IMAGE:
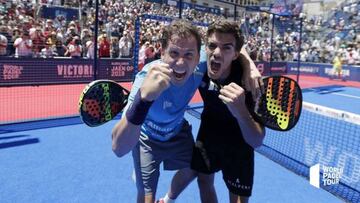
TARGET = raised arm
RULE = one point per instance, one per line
(251, 76)
(126, 132)
(234, 97)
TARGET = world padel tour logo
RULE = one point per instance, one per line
(12, 71)
(328, 176)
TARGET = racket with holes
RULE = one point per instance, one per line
(101, 101)
(279, 106)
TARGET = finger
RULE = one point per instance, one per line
(158, 71)
(164, 77)
(228, 92)
(225, 99)
(166, 83)
(165, 68)
(160, 66)
(236, 87)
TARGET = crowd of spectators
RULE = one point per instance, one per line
(25, 32)
(322, 39)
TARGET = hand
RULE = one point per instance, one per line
(156, 81)
(234, 97)
(251, 75)
(28, 43)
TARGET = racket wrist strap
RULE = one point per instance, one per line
(138, 110)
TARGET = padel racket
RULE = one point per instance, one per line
(101, 101)
(279, 105)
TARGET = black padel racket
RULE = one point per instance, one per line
(101, 101)
(279, 106)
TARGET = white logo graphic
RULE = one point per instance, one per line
(213, 86)
(237, 184)
(167, 104)
(315, 175)
(330, 175)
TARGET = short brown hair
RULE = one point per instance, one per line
(181, 28)
(227, 27)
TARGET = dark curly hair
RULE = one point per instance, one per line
(228, 27)
(181, 28)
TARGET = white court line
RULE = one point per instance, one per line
(340, 94)
(347, 95)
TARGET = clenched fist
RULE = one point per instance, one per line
(234, 97)
(156, 81)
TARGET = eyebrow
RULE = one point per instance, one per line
(226, 44)
(177, 48)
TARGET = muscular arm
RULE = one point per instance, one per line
(234, 98)
(252, 131)
(125, 136)
(251, 74)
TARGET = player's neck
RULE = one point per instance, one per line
(224, 76)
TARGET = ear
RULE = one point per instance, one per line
(237, 54)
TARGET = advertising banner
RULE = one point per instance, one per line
(14, 71)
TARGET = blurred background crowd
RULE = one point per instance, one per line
(26, 32)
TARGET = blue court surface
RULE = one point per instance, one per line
(63, 160)
(337, 97)
(74, 163)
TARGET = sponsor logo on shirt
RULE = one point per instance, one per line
(167, 104)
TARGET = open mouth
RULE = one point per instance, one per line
(179, 75)
(215, 66)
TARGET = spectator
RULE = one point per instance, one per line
(60, 49)
(119, 17)
(48, 50)
(157, 50)
(142, 54)
(104, 47)
(38, 40)
(115, 50)
(125, 45)
(352, 56)
(5, 42)
(90, 49)
(85, 36)
(3, 45)
(23, 45)
(16, 34)
(149, 54)
(75, 48)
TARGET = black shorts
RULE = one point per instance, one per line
(237, 168)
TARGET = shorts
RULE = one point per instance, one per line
(148, 154)
(237, 168)
(337, 69)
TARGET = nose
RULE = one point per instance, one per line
(180, 61)
(217, 52)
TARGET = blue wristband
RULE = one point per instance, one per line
(138, 110)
